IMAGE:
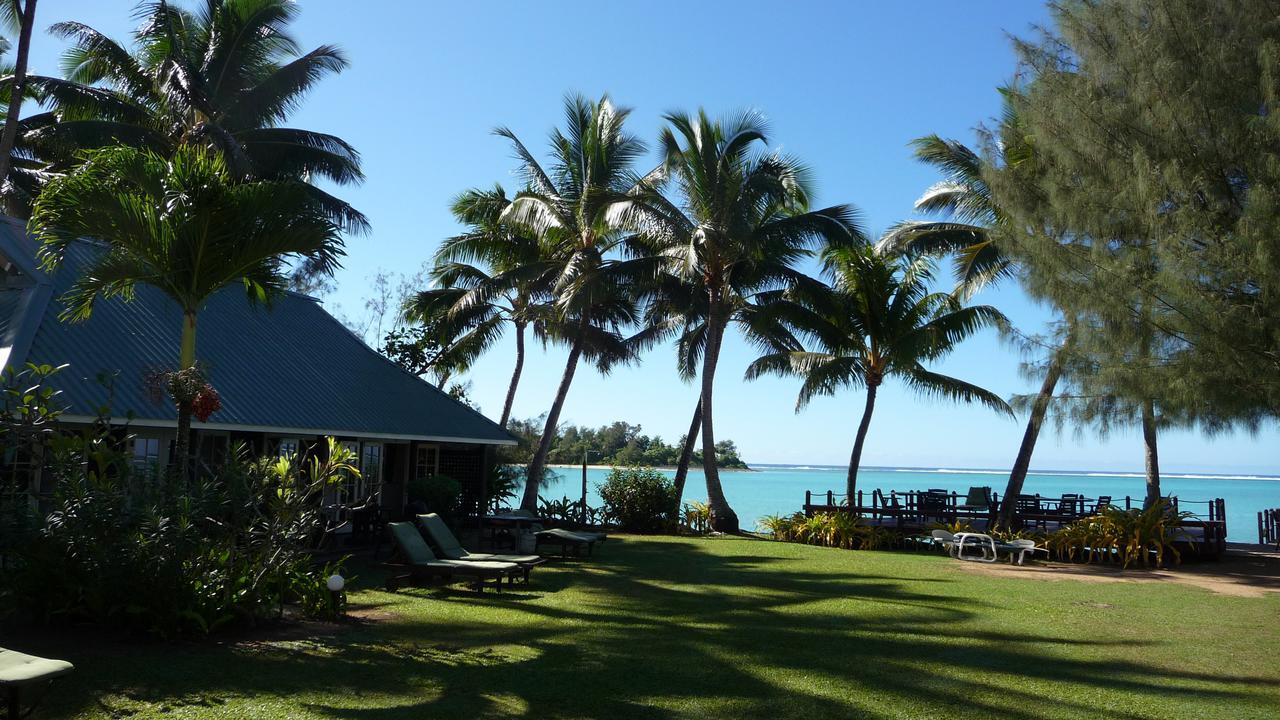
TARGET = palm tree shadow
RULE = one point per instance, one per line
(665, 629)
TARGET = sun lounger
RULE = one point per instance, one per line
(22, 674)
(422, 564)
(450, 549)
(956, 545)
(566, 539)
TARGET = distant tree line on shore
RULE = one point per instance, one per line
(618, 443)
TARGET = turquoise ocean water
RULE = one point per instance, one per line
(779, 489)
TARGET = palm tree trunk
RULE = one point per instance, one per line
(10, 134)
(186, 359)
(1022, 463)
(855, 458)
(1153, 457)
(686, 454)
(515, 376)
(538, 465)
(723, 518)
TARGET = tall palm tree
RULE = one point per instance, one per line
(21, 16)
(591, 282)
(225, 77)
(879, 320)
(734, 235)
(182, 223)
(489, 254)
(26, 164)
(971, 235)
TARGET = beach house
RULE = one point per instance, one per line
(287, 375)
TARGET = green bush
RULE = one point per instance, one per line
(440, 493)
(838, 530)
(152, 553)
(1123, 536)
(697, 517)
(639, 499)
(135, 551)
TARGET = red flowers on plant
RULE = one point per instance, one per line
(206, 403)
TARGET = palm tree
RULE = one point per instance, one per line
(591, 290)
(490, 254)
(22, 16)
(972, 237)
(734, 236)
(879, 320)
(182, 223)
(25, 165)
(224, 77)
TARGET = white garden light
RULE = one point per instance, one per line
(335, 583)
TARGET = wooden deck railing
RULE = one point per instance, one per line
(1269, 527)
(917, 510)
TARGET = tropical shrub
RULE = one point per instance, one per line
(1123, 536)
(439, 494)
(697, 517)
(639, 499)
(838, 530)
(503, 483)
(568, 511)
(135, 550)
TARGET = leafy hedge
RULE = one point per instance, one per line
(639, 499)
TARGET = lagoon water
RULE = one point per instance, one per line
(779, 489)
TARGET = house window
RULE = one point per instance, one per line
(427, 462)
(371, 469)
(351, 489)
(286, 447)
(146, 452)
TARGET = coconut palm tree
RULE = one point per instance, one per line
(879, 320)
(971, 235)
(676, 308)
(467, 266)
(25, 165)
(182, 223)
(588, 267)
(225, 77)
(21, 16)
(734, 235)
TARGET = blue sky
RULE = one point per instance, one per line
(845, 86)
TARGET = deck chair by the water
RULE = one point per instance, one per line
(447, 543)
(978, 498)
(565, 539)
(23, 678)
(422, 564)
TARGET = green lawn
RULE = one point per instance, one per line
(721, 628)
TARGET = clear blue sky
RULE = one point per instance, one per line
(845, 85)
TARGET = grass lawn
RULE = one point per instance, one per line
(698, 628)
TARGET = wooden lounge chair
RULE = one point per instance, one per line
(20, 674)
(447, 543)
(422, 564)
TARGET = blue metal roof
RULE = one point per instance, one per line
(290, 366)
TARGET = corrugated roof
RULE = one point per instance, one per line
(288, 366)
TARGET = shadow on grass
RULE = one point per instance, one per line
(653, 629)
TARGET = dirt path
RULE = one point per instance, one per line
(1238, 573)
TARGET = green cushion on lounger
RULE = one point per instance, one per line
(417, 553)
(453, 550)
(411, 543)
(19, 668)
